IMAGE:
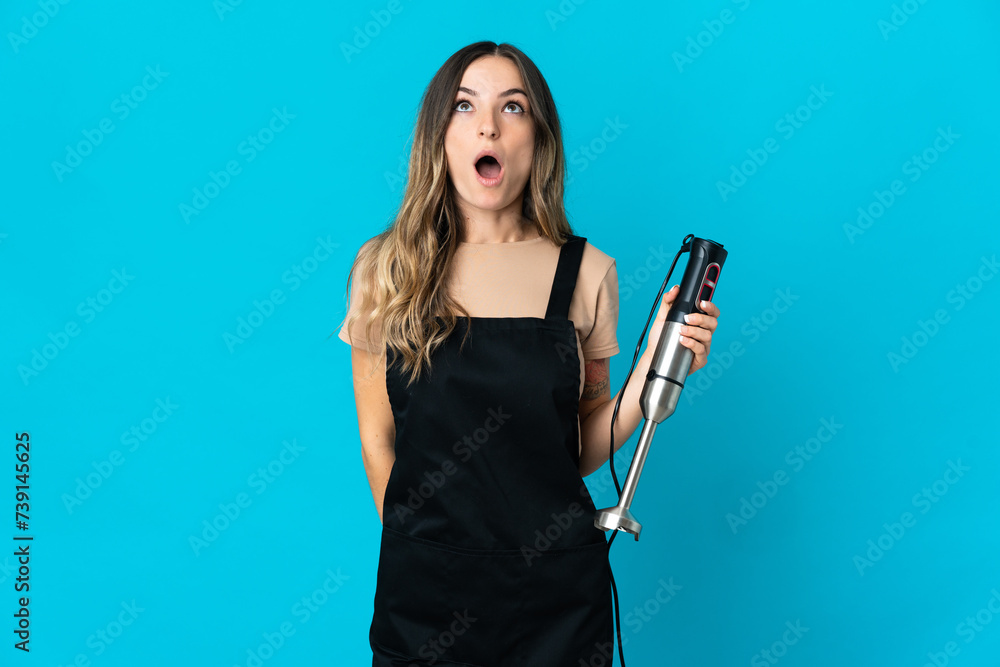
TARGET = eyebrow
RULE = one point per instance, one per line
(509, 91)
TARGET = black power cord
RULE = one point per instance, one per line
(685, 246)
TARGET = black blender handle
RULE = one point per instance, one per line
(700, 277)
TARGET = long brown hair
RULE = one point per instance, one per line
(405, 266)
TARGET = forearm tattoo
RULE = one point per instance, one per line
(596, 382)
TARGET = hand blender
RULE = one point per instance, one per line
(667, 372)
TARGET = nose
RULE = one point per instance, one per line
(488, 127)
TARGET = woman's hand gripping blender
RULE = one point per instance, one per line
(683, 332)
(696, 333)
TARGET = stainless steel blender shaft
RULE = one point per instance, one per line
(660, 393)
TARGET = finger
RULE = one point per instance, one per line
(699, 334)
(667, 301)
(710, 308)
(706, 321)
(695, 346)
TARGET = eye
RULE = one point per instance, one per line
(517, 105)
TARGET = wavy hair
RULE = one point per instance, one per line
(404, 268)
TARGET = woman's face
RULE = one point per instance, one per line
(490, 113)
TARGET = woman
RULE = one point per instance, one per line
(477, 430)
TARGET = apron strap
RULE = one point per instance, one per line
(565, 280)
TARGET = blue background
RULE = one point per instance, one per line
(332, 177)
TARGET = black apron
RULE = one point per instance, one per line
(489, 554)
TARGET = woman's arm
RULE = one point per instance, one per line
(597, 405)
(375, 422)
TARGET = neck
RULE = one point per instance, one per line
(503, 226)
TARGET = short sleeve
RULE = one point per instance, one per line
(355, 335)
(603, 338)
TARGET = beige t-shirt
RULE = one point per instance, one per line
(514, 279)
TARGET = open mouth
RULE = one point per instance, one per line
(488, 167)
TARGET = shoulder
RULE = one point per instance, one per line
(597, 283)
(364, 258)
(595, 255)
(596, 303)
(369, 248)
(596, 265)
(361, 274)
